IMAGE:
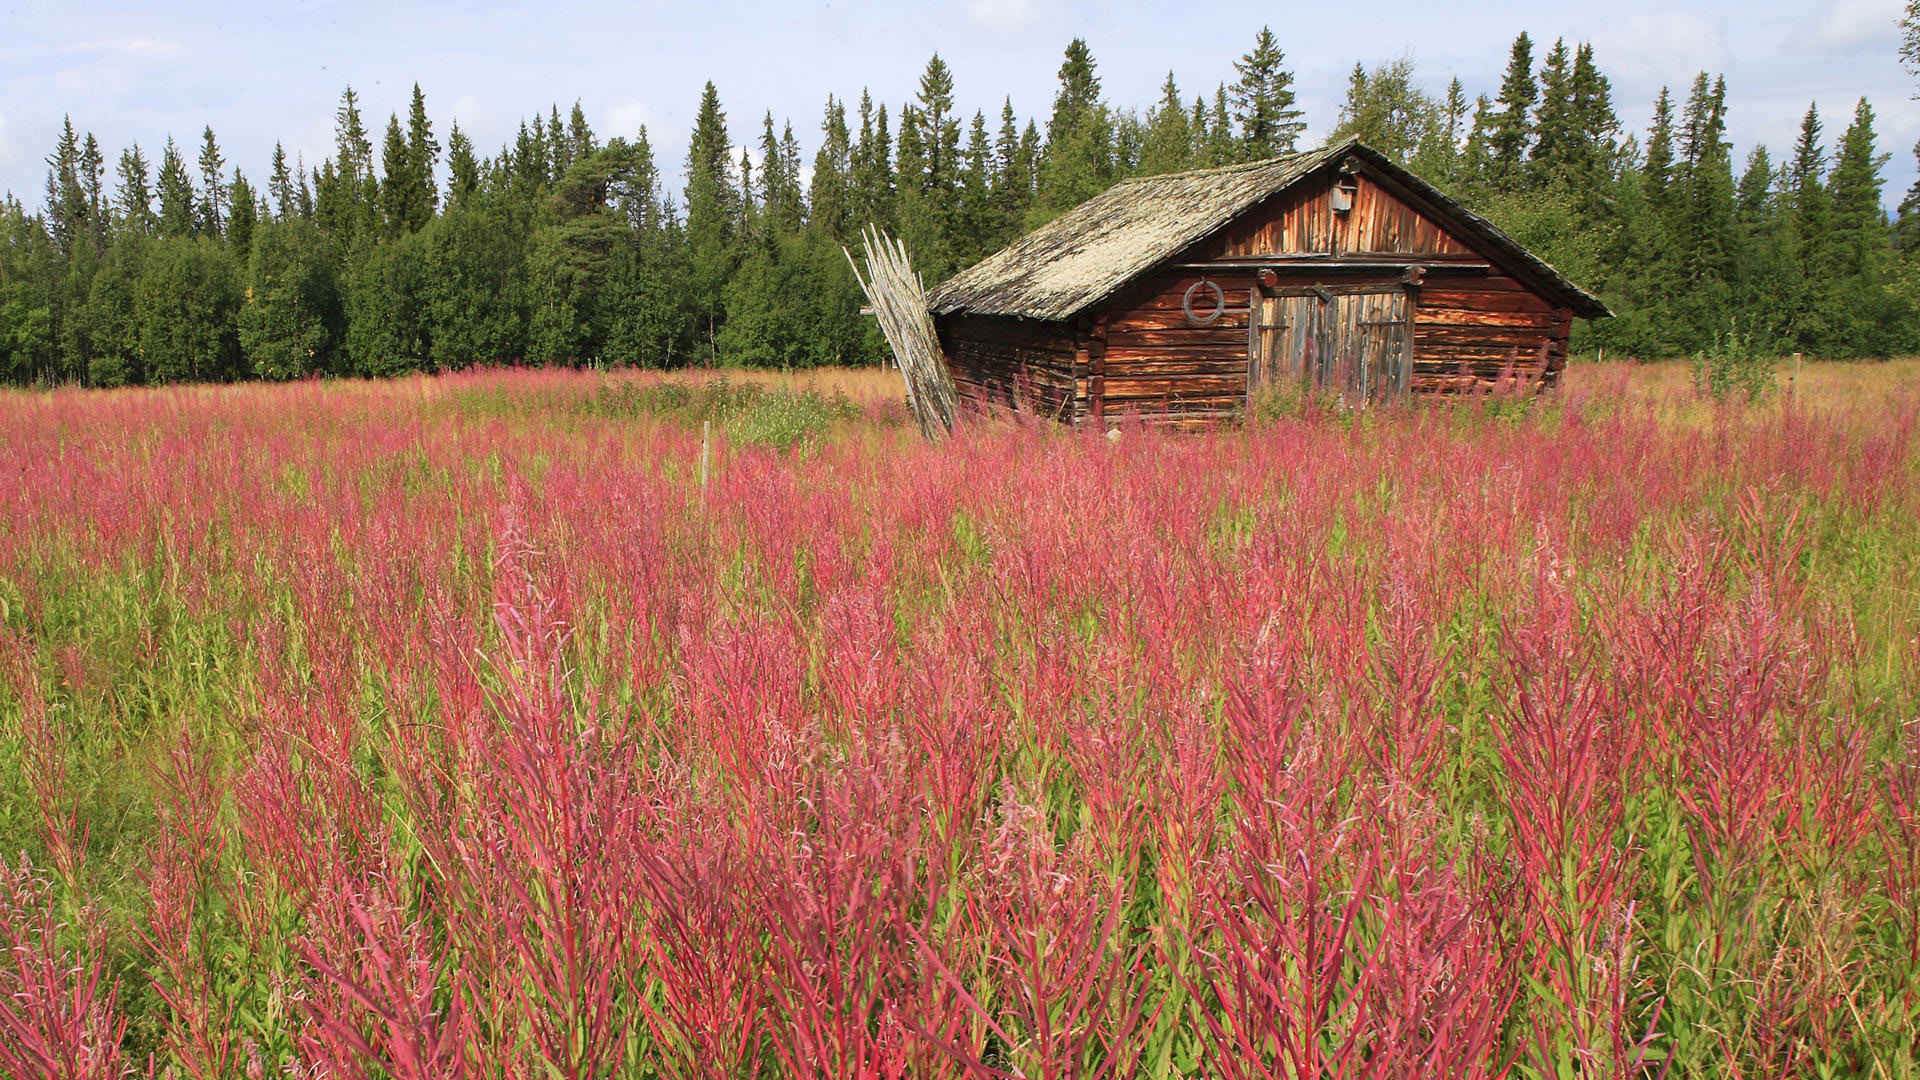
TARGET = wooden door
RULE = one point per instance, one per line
(1286, 330)
(1358, 345)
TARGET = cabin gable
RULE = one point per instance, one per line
(1302, 221)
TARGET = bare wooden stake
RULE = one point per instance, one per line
(706, 454)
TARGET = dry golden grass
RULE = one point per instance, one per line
(1668, 386)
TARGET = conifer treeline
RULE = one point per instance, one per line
(563, 248)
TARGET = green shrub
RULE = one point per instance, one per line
(1732, 366)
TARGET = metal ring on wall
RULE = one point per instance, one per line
(1219, 304)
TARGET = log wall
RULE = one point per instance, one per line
(1016, 364)
(1469, 332)
(1161, 368)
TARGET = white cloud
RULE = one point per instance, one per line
(1850, 24)
(6, 147)
(467, 111)
(626, 118)
(1663, 47)
(1002, 14)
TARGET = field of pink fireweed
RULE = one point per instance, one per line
(450, 727)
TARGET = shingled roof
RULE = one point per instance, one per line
(1099, 247)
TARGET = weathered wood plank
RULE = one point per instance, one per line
(1180, 336)
(1464, 316)
(1174, 319)
(1178, 365)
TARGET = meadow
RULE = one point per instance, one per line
(471, 726)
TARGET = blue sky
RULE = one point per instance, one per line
(138, 72)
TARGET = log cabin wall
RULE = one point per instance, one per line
(1159, 367)
(1470, 332)
(1016, 364)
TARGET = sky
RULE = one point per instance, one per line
(135, 73)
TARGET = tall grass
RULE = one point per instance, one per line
(448, 727)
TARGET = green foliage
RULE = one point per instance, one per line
(784, 420)
(389, 328)
(292, 322)
(1511, 128)
(188, 300)
(1078, 162)
(1733, 368)
(475, 292)
(113, 322)
(1263, 101)
(794, 303)
(1385, 110)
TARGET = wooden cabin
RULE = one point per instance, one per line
(1173, 298)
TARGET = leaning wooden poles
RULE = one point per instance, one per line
(899, 301)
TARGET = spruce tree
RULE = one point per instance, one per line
(134, 195)
(1168, 146)
(346, 191)
(243, 213)
(559, 146)
(1029, 163)
(747, 226)
(1806, 197)
(829, 194)
(463, 169)
(1439, 156)
(93, 169)
(1012, 177)
(1753, 197)
(303, 194)
(920, 225)
(280, 184)
(1555, 154)
(940, 129)
(423, 159)
(1597, 123)
(1859, 228)
(396, 181)
(1263, 101)
(975, 226)
(580, 138)
(714, 209)
(1077, 161)
(213, 188)
(1658, 167)
(1706, 224)
(1222, 148)
(176, 193)
(779, 182)
(529, 167)
(66, 212)
(938, 136)
(872, 194)
(1197, 126)
(1511, 129)
(353, 151)
(1907, 226)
